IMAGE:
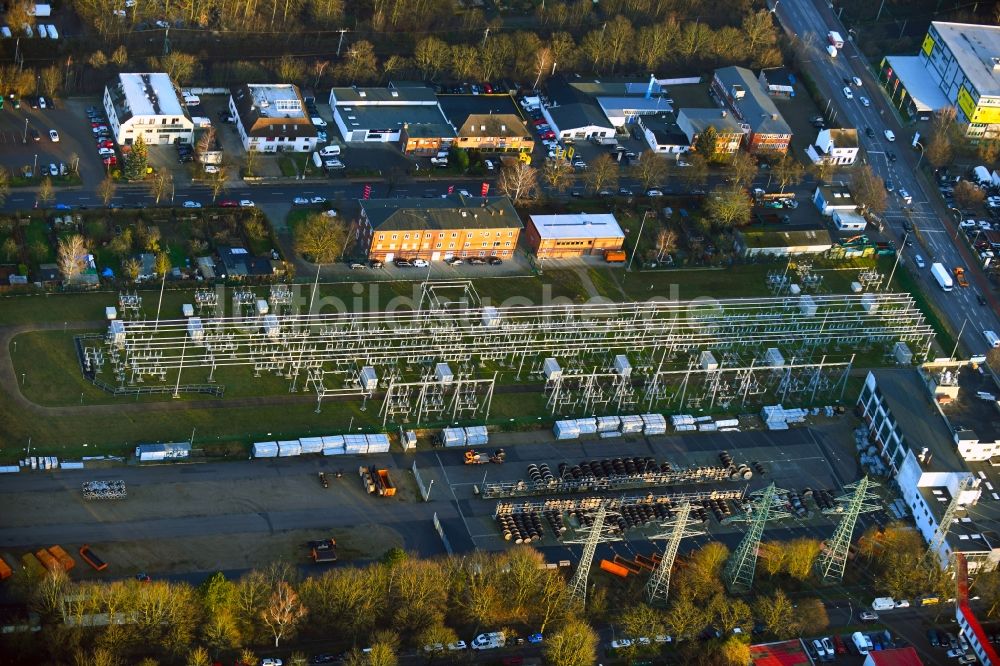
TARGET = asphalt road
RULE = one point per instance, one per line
(814, 18)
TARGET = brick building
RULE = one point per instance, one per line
(766, 129)
(436, 229)
(573, 235)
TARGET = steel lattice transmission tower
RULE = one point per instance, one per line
(596, 534)
(944, 526)
(659, 582)
(832, 559)
(740, 568)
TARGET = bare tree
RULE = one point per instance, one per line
(251, 161)
(106, 189)
(283, 611)
(968, 195)
(602, 173)
(519, 182)
(788, 171)
(558, 174)
(869, 189)
(666, 241)
(575, 644)
(219, 182)
(72, 256)
(742, 168)
(4, 184)
(651, 170)
(728, 206)
(158, 185)
(543, 65)
(320, 239)
(131, 269)
(45, 193)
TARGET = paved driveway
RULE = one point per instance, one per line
(75, 139)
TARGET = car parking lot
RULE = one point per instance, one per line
(20, 149)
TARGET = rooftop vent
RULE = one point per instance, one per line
(737, 91)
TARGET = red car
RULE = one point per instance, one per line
(548, 134)
(229, 203)
(541, 121)
(105, 143)
(838, 644)
(488, 89)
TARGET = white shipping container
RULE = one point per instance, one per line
(654, 424)
(681, 419)
(773, 357)
(566, 430)
(708, 362)
(355, 444)
(453, 436)
(707, 427)
(13, 469)
(378, 443)
(685, 427)
(187, 310)
(608, 434)
(551, 369)
(116, 334)
(288, 448)
(333, 442)
(271, 326)
(477, 436)
(728, 423)
(443, 373)
(262, 308)
(338, 451)
(702, 419)
(67, 465)
(110, 313)
(622, 366)
(491, 317)
(869, 302)
(632, 423)
(311, 444)
(368, 378)
(807, 305)
(195, 330)
(777, 425)
(608, 423)
(586, 426)
(265, 450)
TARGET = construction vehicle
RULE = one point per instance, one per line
(5, 570)
(90, 558)
(323, 550)
(960, 276)
(473, 457)
(367, 482)
(615, 256)
(63, 557)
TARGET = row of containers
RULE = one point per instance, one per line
(331, 445)
(472, 436)
(777, 417)
(611, 426)
(688, 423)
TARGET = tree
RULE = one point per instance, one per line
(290, 69)
(741, 168)
(251, 162)
(666, 242)
(822, 170)
(651, 170)
(106, 190)
(728, 206)
(519, 182)
(641, 620)
(869, 190)
(543, 65)
(136, 160)
(283, 611)
(602, 173)
(379, 654)
(120, 56)
(574, 644)
(51, 80)
(360, 65)
(968, 195)
(218, 182)
(788, 171)
(431, 56)
(811, 617)
(734, 652)
(730, 614)
(180, 67)
(9, 250)
(776, 613)
(320, 239)
(45, 192)
(72, 256)
(162, 263)
(254, 226)
(987, 586)
(800, 554)
(205, 143)
(706, 143)
(131, 268)
(199, 657)
(158, 185)
(988, 150)
(4, 184)
(695, 175)
(939, 150)
(686, 618)
(557, 174)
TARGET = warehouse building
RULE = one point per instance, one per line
(958, 65)
(439, 229)
(409, 117)
(573, 235)
(272, 118)
(147, 105)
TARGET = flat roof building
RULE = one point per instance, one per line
(437, 229)
(962, 62)
(147, 105)
(272, 118)
(785, 243)
(829, 198)
(573, 235)
(408, 116)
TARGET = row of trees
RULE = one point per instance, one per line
(405, 603)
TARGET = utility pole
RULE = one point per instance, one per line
(658, 586)
(637, 239)
(832, 559)
(341, 42)
(166, 41)
(486, 35)
(899, 254)
(742, 564)
(954, 349)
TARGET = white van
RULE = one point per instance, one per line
(832, 50)
(883, 604)
(332, 150)
(5, 31)
(53, 33)
(317, 160)
(42, 32)
(992, 338)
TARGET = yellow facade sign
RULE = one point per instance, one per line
(966, 103)
(988, 115)
(928, 45)
(525, 157)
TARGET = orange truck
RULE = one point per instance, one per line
(63, 557)
(614, 256)
(49, 562)
(5, 570)
(960, 277)
(386, 488)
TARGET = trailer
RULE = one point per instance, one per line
(614, 569)
(63, 557)
(367, 482)
(324, 550)
(473, 457)
(942, 276)
(5, 570)
(383, 483)
(91, 558)
(49, 562)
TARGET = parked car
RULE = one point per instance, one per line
(53, 169)
(228, 203)
(919, 261)
(869, 132)
(192, 204)
(454, 261)
(300, 201)
(403, 263)
(247, 203)
(375, 263)
(317, 200)
(54, 136)
(420, 263)
(494, 261)
(868, 616)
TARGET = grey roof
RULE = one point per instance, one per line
(423, 121)
(793, 238)
(580, 114)
(778, 76)
(976, 49)
(453, 212)
(920, 86)
(386, 96)
(620, 88)
(917, 418)
(756, 108)
(836, 195)
(700, 119)
(665, 130)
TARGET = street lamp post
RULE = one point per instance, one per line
(24, 138)
(899, 254)
(921, 146)
(958, 221)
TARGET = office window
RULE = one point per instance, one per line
(395, 236)
(381, 236)
(406, 236)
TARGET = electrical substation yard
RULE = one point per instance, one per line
(234, 515)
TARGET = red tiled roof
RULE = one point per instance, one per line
(785, 653)
(899, 657)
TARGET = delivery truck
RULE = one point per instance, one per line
(835, 39)
(942, 276)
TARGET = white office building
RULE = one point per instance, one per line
(272, 118)
(147, 105)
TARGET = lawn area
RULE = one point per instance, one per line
(293, 165)
(36, 232)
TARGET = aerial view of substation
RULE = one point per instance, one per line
(671, 421)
